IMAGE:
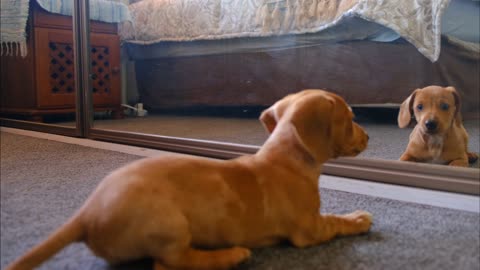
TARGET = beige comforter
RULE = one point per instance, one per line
(418, 21)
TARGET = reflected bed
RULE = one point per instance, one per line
(355, 52)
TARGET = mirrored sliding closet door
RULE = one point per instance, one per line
(204, 71)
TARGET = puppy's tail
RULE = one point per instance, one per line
(71, 231)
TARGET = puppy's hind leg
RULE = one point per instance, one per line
(169, 244)
(190, 258)
(322, 228)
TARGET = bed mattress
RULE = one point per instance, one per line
(351, 28)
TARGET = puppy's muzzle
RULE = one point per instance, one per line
(362, 139)
(431, 126)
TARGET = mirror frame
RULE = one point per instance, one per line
(41, 127)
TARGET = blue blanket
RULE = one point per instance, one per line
(100, 10)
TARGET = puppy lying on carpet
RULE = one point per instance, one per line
(439, 136)
(170, 207)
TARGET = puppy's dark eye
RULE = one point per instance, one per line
(444, 106)
(419, 107)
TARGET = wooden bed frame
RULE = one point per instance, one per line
(43, 82)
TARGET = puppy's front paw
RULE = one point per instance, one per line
(472, 157)
(362, 220)
(240, 254)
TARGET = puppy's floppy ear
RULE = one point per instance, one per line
(406, 111)
(313, 119)
(272, 115)
(268, 119)
(456, 96)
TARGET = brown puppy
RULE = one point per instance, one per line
(170, 207)
(439, 136)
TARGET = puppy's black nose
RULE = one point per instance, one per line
(431, 125)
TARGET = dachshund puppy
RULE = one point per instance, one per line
(190, 212)
(439, 136)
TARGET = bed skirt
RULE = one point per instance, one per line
(363, 72)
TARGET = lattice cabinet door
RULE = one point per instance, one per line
(55, 74)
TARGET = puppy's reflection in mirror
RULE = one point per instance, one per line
(439, 136)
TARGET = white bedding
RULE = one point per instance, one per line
(418, 21)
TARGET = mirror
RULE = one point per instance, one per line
(186, 71)
(37, 67)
